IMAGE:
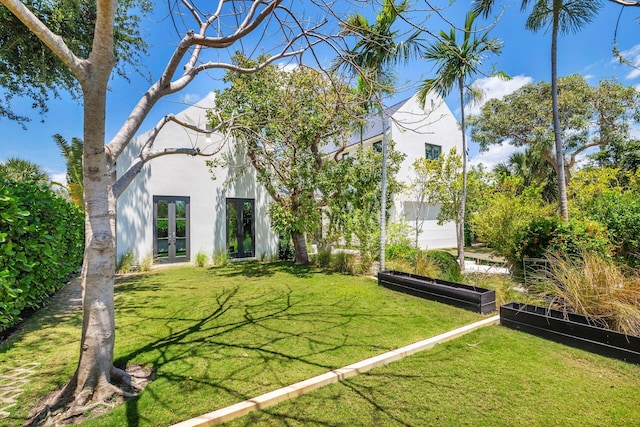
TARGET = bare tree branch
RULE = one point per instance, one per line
(626, 3)
(164, 86)
(147, 154)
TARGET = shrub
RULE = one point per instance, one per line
(146, 263)
(620, 213)
(396, 251)
(499, 222)
(126, 263)
(446, 263)
(220, 258)
(502, 284)
(424, 265)
(553, 235)
(201, 259)
(344, 262)
(285, 248)
(323, 257)
(41, 245)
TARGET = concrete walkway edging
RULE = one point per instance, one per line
(271, 398)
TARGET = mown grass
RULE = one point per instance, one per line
(220, 335)
(491, 377)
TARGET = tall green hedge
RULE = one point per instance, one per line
(41, 245)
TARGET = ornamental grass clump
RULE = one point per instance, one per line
(595, 287)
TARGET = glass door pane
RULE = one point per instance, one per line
(232, 229)
(180, 237)
(247, 228)
(162, 229)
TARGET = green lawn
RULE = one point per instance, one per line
(222, 335)
(491, 377)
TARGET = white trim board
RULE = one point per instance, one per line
(268, 399)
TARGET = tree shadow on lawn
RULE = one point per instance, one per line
(378, 393)
(260, 269)
(240, 358)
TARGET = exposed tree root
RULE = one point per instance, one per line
(62, 407)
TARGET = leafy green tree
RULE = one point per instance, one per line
(533, 169)
(214, 28)
(21, 170)
(612, 198)
(72, 153)
(456, 65)
(285, 120)
(371, 59)
(40, 74)
(559, 16)
(506, 211)
(442, 181)
(591, 116)
(352, 202)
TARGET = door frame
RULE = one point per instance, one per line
(171, 226)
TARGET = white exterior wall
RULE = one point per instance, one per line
(410, 128)
(188, 176)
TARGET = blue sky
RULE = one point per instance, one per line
(525, 58)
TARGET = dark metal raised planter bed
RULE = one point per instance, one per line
(570, 329)
(472, 298)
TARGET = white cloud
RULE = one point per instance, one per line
(190, 98)
(495, 154)
(633, 55)
(60, 177)
(494, 87)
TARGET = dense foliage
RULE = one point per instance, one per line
(553, 235)
(41, 245)
(39, 74)
(612, 197)
(590, 116)
(353, 210)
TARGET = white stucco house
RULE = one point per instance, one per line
(418, 133)
(174, 208)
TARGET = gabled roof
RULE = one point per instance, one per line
(373, 127)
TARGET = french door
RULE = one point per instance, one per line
(241, 228)
(171, 229)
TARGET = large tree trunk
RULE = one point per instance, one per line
(93, 375)
(300, 247)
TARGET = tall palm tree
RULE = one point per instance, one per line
(561, 16)
(533, 169)
(371, 59)
(72, 153)
(456, 64)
